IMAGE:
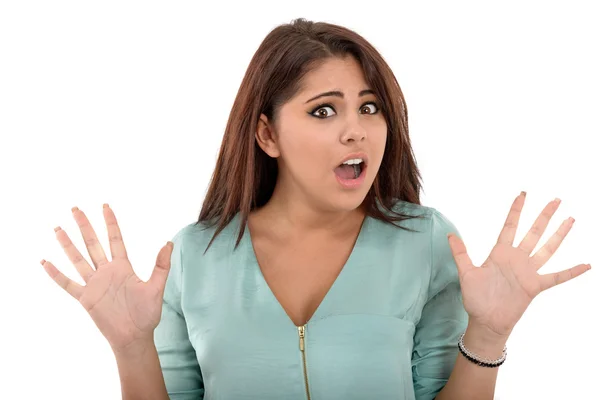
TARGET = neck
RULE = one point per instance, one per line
(292, 215)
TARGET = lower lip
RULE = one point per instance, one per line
(352, 183)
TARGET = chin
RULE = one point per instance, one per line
(349, 201)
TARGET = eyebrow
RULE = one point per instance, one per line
(339, 94)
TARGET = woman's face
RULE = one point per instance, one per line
(313, 136)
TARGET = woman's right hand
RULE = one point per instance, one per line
(124, 308)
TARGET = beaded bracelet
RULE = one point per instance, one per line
(481, 361)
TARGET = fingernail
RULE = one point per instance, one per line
(57, 229)
(43, 261)
(105, 205)
(557, 200)
(523, 193)
(74, 209)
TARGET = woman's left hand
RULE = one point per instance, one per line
(497, 294)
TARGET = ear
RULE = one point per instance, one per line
(266, 137)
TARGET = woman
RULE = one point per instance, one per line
(313, 271)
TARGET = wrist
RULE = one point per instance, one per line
(483, 341)
(135, 350)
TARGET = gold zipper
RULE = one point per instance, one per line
(301, 333)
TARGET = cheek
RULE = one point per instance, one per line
(377, 144)
(307, 156)
(380, 137)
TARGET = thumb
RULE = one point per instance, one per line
(161, 269)
(459, 252)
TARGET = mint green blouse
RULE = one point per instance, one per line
(387, 329)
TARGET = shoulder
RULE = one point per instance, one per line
(432, 224)
(442, 269)
(430, 218)
(193, 238)
(421, 239)
(425, 222)
(193, 232)
(188, 237)
(420, 235)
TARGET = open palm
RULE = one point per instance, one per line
(497, 294)
(123, 307)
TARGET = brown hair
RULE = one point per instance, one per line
(245, 176)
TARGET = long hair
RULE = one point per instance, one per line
(245, 176)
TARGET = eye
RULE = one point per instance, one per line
(375, 107)
(321, 114)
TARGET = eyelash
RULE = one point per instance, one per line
(376, 104)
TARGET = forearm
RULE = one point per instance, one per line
(469, 380)
(140, 373)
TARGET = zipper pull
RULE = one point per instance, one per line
(301, 334)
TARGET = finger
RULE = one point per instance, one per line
(83, 267)
(89, 237)
(542, 256)
(459, 252)
(71, 287)
(550, 280)
(158, 278)
(115, 239)
(507, 235)
(532, 237)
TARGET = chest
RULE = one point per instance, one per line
(301, 274)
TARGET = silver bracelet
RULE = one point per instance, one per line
(483, 361)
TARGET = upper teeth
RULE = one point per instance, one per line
(353, 161)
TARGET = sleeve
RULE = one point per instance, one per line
(176, 354)
(443, 318)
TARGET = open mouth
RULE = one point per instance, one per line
(350, 170)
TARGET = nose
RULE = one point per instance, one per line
(353, 133)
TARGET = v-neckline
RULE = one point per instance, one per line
(247, 238)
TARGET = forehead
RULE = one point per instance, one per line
(335, 73)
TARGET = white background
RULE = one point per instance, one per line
(126, 102)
